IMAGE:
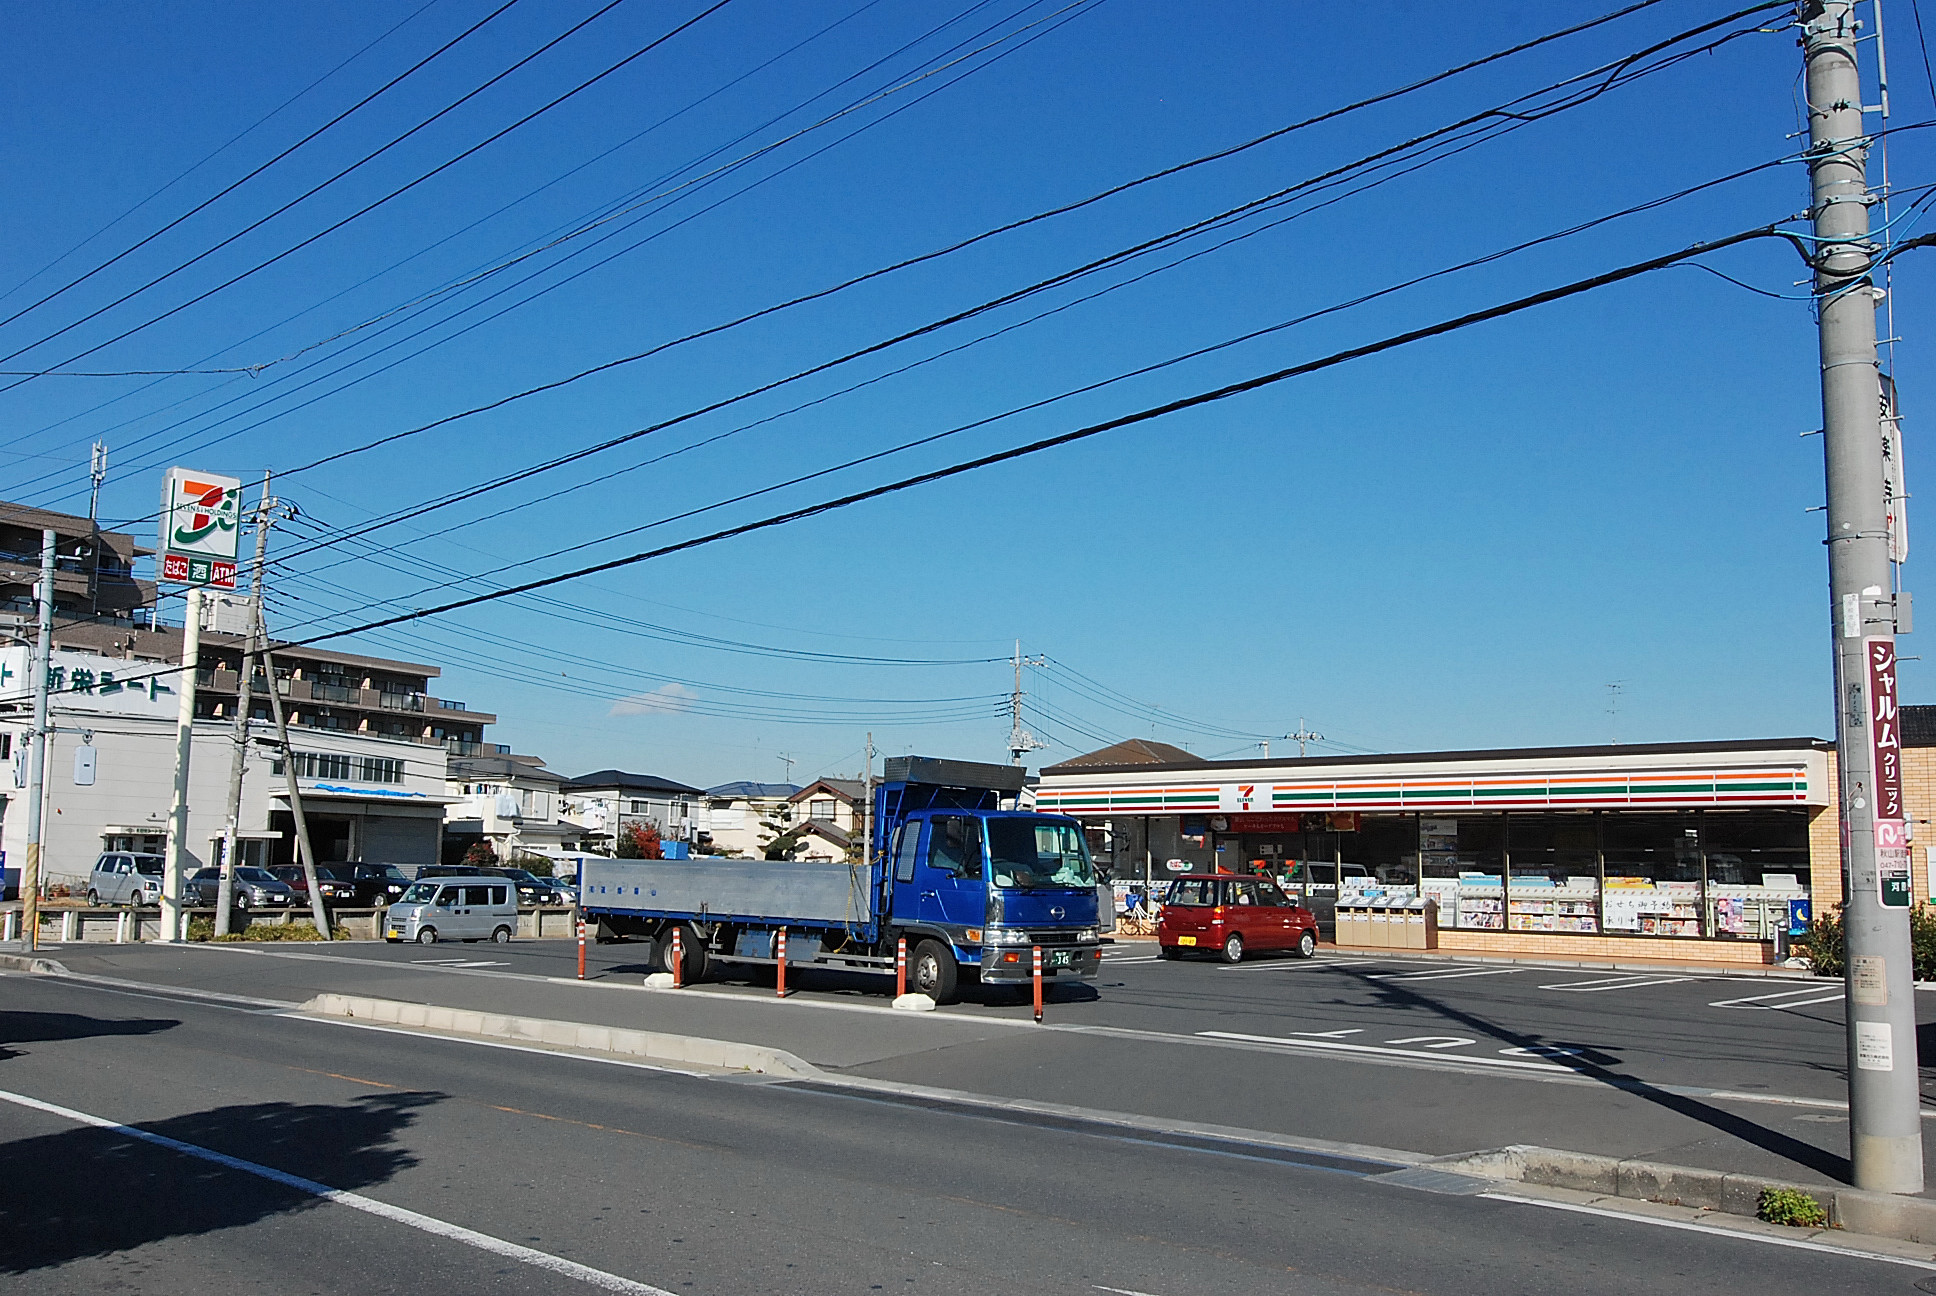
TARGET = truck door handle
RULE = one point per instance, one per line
(930, 895)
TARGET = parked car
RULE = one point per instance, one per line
(255, 888)
(354, 885)
(1232, 915)
(121, 877)
(469, 906)
(532, 889)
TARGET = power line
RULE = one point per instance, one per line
(220, 149)
(368, 207)
(560, 283)
(232, 187)
(931, 438)
(1615, 73)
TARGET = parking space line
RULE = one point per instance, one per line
(1759, 1003)
(1615, 983)
(1442, 976)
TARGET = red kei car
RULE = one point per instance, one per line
(1230, 914)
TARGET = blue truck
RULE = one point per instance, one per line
(971, 883)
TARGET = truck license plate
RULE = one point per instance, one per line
(1061, 958)
(1186, 940)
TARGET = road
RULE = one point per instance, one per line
(474, 1169)
(1734, 1073)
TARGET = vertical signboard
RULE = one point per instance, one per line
(201, 515)
(1885, 737)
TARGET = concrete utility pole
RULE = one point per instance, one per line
(176, 862)
(244, 703)
(316, 910)
(1020, 741)
(1885, 1125)
(37, 749)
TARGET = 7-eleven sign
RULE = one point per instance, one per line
(201, 525)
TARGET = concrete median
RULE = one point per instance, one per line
(649, 1046)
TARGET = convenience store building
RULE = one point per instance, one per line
(1713, 850)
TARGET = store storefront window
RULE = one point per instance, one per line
(1653, 874)
(1555, 872)
(1462, 867)
(1757, 872)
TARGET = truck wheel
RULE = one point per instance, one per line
(1233, 948)
(692, 948)
(1307, 944)
(427, 936)
(934, 971)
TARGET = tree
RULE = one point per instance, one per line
(785, 841)
(640, 841)
(481, 854)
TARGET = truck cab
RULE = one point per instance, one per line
(973, 885)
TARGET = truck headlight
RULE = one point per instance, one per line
(1088, 934)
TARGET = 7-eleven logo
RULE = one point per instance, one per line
(1244, 793)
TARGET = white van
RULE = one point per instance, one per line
(454, 908)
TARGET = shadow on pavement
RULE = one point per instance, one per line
(84, 1192)
(1594, 1064)
(39, 1027)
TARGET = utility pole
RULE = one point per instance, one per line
(1885, 1134)
(244, 704)
(176, 864)
(1020, 741)
(37, 751)
(1303, 735)
(97, 472)
(867, 804)
(316, 909)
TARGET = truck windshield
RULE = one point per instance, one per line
(1038, 853)
(420, 893)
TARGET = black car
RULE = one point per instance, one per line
(356, 885)
(532, 889)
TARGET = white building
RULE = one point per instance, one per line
(110, 777)
(512, 802)
(738, 815)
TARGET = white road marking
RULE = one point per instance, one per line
(1375, 1050)
(1441, 976)
(1121, 1291)
(1301, 965)
(1355, 1030)
(1614, 983)
(478, 963)
(1435, 1041)
(1759, 1003)
(1689, 1226)
(355, 1201)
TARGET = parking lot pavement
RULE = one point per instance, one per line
(1702, 1071)
(198, 1147)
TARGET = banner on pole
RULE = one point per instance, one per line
(1885, 738)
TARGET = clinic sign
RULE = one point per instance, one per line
(1885, 738)
(201, 525)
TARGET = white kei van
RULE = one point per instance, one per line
(454, 908)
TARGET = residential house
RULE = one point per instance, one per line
(828, 811)
(514, 803)
(608, 802)
(738, 812)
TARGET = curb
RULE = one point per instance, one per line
(1372, 954)
(1909, 1219)
(649, 1045)
(26, 963)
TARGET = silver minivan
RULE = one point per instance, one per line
(454, 908)
(125, 877)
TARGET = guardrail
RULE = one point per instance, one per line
(123, 926)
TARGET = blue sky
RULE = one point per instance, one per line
(1458, 544)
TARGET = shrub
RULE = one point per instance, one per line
(481, 853)
(203, 929)
(1790, 1206)
(1823, 944)
(535, 865)
(1825, 941)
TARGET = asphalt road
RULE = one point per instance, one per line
(1741, 1073)
(159, 1144)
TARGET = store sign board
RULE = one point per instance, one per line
(1885, 746)
(201, 523)
(85, 682)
